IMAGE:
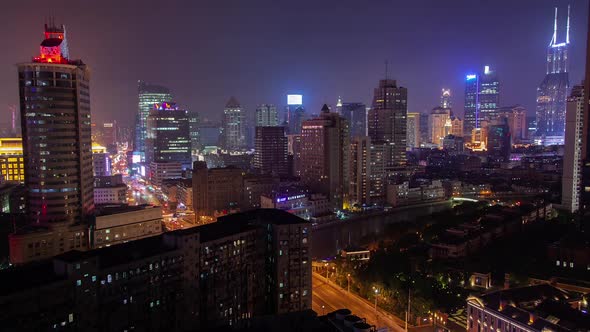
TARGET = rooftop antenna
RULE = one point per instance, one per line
(386, 69)
(567, 35)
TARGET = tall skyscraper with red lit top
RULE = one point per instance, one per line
(55, 116)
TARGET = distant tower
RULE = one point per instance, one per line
(387, 122)
(445, 98)
(56, 137)
(482, 99)
(148, 95)
(234, 137)
(552, 92)
(574, 154)
(267, 116)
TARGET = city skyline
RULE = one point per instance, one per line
(215, 73)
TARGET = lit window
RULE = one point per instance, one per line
(557, 263)
(78, 282)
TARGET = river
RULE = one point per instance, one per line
(328, 239)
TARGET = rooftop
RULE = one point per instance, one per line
(106, 210)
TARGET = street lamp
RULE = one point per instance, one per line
(326, 265)
(376, 293)
(348, 279)
(323, 310)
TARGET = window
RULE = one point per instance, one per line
(78, 282)
(557, 263)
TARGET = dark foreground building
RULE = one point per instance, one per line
(220, 275)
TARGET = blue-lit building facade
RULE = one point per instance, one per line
(552, 92)
(482, 99)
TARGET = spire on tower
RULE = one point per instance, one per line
(554, 39)
(567, 34)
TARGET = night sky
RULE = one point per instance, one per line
(259, 50)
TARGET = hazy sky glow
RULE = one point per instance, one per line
(260, 50)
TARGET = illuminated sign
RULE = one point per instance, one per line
(283, 199)
(166, 106)
(136, 159)
(294, 99)
(486, 70)
(471, 77)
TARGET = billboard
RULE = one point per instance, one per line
(294, 99)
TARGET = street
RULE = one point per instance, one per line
(330, 297)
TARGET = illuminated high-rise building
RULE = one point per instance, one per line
(445, 98)
(482, 98)
(168, 135)
(148, 95)
(552, 92)
(360, 168)
(356, 115)
(11, 159)
(194, 124)
(234, 135)
(413, 130)
(55, 118)
(267, 116)
(387, 121)
(574, 153)
(295, 113)
(325, 150)
(439, 123)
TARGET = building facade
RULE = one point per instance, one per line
(234, 135)
(574, 153)
(387, 121)
(413, 130)
(168, 135)
(482, 98)
(270, 152)
(552, 92)
(55, 118)
(267, 116)
(324, 156)
(148, 95)
(12, 166)
(216, 191)
(356, 115)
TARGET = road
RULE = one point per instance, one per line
(332, 297)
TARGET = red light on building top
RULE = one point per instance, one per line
(54, 48)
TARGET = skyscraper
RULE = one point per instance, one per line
(413, 130)
(148, 95)
(194, 124)
(439, 123)
(295, 113)
(356, 115)
(516, 116)
(234, 137)
(482, 98)
(445, 99)
(387, 121)
(168, 137)
(574, 154)
(498, 143)
(55, 119)
(360, 167)
(270, 156)
(267, 116)
(552, 92)
(324, 155)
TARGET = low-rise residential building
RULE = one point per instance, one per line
(123, 223)
(403, 194)
(114, 194)
(160, 171)
(220, 275)
(537, 308)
